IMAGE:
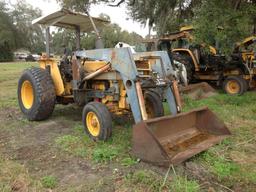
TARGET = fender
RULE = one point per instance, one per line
(55, 74)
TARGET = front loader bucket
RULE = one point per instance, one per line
(198, 91)
(173, 139)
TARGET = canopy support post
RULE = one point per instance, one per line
(47, 40)
(78, 38)
(99, 43)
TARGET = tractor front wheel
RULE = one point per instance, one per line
(234, 85)
(97, 121)
(36, 94)
(153, 104)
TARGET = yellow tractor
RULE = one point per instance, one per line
(247, 49)
(203, 63)
(115, 81)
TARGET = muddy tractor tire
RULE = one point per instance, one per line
(97, 121)
(36, 94)
(234, 85)
(154, 105)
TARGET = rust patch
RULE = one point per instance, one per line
(113, 55)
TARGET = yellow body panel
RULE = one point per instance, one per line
(122, 101)
(248, 40)
(55, 74)
(91, 66)
(248, 56)
(213, 50)
(187, 28)
(232, 72)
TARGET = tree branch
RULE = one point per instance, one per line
(118, 4)
(237, 4)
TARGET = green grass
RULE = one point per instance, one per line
(231, 163)
(150, 181)
(220, 166)
(49, 182)
(129, 161)
(227, 107)
(182, 184)
(10, 73)
(105, 154)
(115, 149)
(15, 177)
(71, 144)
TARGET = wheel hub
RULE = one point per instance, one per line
(233, 87)
(93, 124)
(27, 94)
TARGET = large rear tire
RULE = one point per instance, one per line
(36, 94)
(154, 105)
(234, 85)
(97, 121)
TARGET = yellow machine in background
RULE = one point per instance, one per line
(247, 48)
(235, 76)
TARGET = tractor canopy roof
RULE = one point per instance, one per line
(67, 19)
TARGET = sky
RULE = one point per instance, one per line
(117, 14)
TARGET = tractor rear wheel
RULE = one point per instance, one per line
(234, 85)
(154, 105)
(36, 94)
(97, 121)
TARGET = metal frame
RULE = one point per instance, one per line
(122, 60)
(63, 18)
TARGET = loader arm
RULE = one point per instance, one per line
(162, 140)
(122, 60)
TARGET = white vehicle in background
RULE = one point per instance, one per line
(122, 44)
(22, 56)
(36, 56)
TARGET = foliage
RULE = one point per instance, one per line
(111, 35)
(17, 30)
(7, 34)
(166, 16)
(236, 18)
(5, 52)
(219, 23)
(29, 36)
(62, 38)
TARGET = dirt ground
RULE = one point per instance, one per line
(56, 155)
